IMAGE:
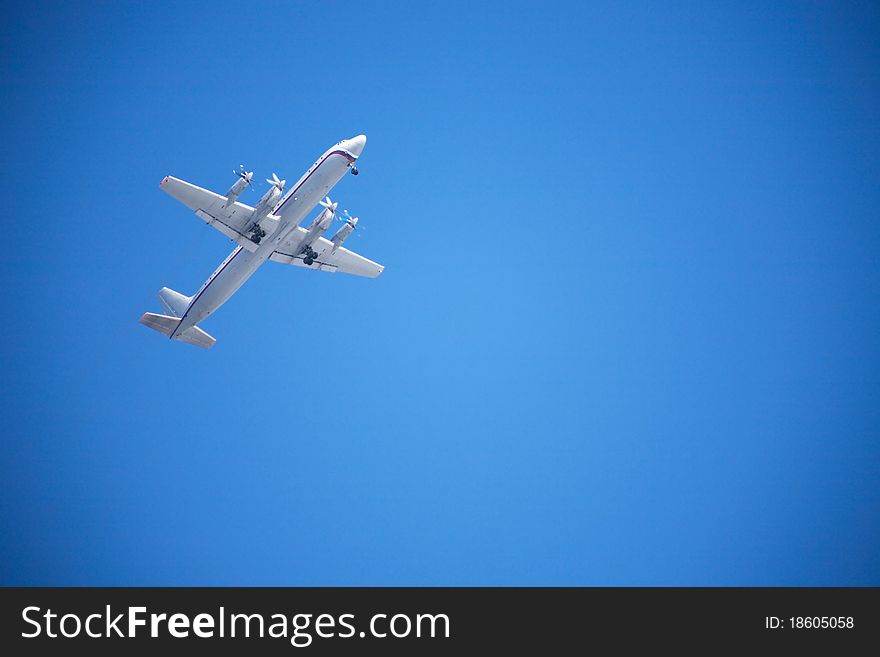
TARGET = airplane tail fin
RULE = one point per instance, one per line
(166, 325)
(174, 302)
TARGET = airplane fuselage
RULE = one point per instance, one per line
(241, 264)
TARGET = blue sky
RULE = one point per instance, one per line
(627, 333)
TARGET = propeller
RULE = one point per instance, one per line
(344, 217)
(327, 204)
(241, 173)
(352, 221)
(276, 182)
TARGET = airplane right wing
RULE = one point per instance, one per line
(329, 258)
(233, 220)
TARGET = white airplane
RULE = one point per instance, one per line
(270, 231)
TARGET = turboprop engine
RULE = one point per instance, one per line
(266, 205)
(270, 198)
(322, 221)
(320, 224)
(244, 179)
(346, 230)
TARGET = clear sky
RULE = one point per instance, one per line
(628, 330)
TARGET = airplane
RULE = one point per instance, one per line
(269, 231)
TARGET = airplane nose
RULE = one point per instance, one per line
(356, 144)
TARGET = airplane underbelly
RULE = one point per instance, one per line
(223, 284)
(314, 189)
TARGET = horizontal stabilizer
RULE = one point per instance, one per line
(166, 325)
(162, 323)
(195, 335)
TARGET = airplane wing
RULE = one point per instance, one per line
(348, 262)
(233, 220)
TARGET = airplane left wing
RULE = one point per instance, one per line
(340, 259)
(233, 220)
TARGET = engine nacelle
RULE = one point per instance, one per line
(321, 222)
(341, 234)
(315, 230)
(244, 179)
(267, 204)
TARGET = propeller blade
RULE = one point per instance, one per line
(275, 181)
